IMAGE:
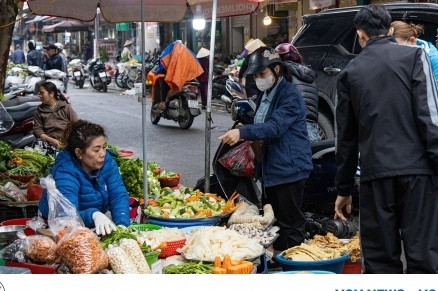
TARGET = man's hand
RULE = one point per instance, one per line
(341, 202)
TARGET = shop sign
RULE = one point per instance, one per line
(122, 26)
(228, 8)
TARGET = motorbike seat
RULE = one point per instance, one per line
(23, 111)
(218, 70)
(321, 147)
(20, 100)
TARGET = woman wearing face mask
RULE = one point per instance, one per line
(87, 175)
(280, 121)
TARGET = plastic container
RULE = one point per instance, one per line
(14, 270)
(138, 88)
(145, 226)
(306, 272)
(352, 268)
(171, 248)
(332, 265)
(185, 223)
(170, 181)
(151, 257)
(19, 221)
(34, 268)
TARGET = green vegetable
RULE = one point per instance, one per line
(190, 268)
(5, 151)
(115, 236)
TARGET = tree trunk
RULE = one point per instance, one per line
(8, 14)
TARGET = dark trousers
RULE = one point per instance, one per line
(160, 90)
(394, 209)
(286, 200)
(203, 88)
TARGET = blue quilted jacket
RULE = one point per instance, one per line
(102, 191)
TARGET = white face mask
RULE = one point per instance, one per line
(265, 83)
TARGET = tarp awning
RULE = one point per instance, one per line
(69, 25)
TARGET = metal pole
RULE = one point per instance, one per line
(142, 99)
(96, 33)
(208, 111)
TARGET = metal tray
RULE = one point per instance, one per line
(10, 231)
(251, 259)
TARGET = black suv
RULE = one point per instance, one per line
(328, 42)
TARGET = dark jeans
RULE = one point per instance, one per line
(395, 209)
(286, 200)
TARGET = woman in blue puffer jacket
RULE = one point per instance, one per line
(87, 175)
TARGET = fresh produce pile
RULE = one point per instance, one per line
(189, 268)
(16, 163)
(188, 203)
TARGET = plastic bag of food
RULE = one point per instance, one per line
(14, 251)
(62, 214)
(41, 249)
(80, 250)
(132, 249)
(14, 193)
(119, 261)
(239, 160)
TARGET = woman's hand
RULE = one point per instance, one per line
(231, 137)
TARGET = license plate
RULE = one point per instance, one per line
(193, 103)
(102, 74)
(77, 73)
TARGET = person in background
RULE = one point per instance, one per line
(51, 118)
(247, 81)
(17, 56)
(126, 52)
(408, 34)
(34, 56)
(53, 58)
(203, 58)
(64, 64)
(304, 79)
(387, 112)
(244, 53)
(280, 121)
(87, 175)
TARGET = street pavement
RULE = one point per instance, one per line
(174, 149)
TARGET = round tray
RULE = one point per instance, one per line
(215, 217)
(251, 259)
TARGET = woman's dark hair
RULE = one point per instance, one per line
(374, 20)
(79, 134)
(51, 87)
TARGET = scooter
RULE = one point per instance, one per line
(19, 133)
(182, 106)
(99, 78)
(233, 91)
(78, 72)
(17, 85)
(319, 194)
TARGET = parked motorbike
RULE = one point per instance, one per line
(219, 82)
(20, 133)
(181, 107)
(22, 81)
(78, 72)
(319, 194)
(128, 74)
(233, 91)
(99, 78)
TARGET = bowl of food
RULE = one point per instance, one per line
(169, 179)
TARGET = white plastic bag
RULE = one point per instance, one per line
(6, 121)
(62, 214)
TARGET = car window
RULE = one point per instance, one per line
(337, 30)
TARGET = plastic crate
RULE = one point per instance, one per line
(352, 268)
(144, 226)
(34, 268)
(171, 248)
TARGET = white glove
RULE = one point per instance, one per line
(103, 224)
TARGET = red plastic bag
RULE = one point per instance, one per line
(239, 160)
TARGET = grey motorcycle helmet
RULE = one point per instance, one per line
(262, 58)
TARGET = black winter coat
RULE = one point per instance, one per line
(304, 80)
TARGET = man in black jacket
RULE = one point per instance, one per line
(387, 111)
(54, 60)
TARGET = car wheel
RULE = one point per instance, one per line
(325, 127)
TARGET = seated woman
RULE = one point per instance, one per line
(51, 117)
(87, 175)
